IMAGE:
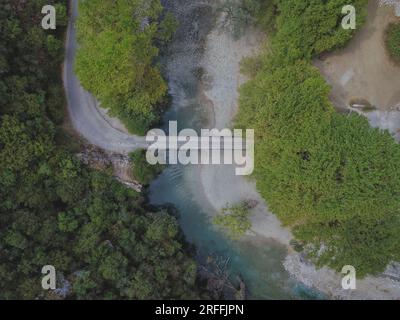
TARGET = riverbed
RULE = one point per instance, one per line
(202, 69)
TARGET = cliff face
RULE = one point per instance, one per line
(121, 164)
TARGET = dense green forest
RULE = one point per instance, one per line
(100, 236)
(118, 45)
(330, 177)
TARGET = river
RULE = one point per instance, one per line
(258, 260)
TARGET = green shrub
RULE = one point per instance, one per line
(393, 40)
(234, 220)
(142, 171)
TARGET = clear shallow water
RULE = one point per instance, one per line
(257, 261)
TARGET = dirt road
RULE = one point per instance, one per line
(87, 119)
(363, 69)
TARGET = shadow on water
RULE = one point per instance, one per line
(257, 261)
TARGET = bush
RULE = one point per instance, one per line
(235, 219)
(142, 171)
(393, 41)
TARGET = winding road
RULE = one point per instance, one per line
(84, 112)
